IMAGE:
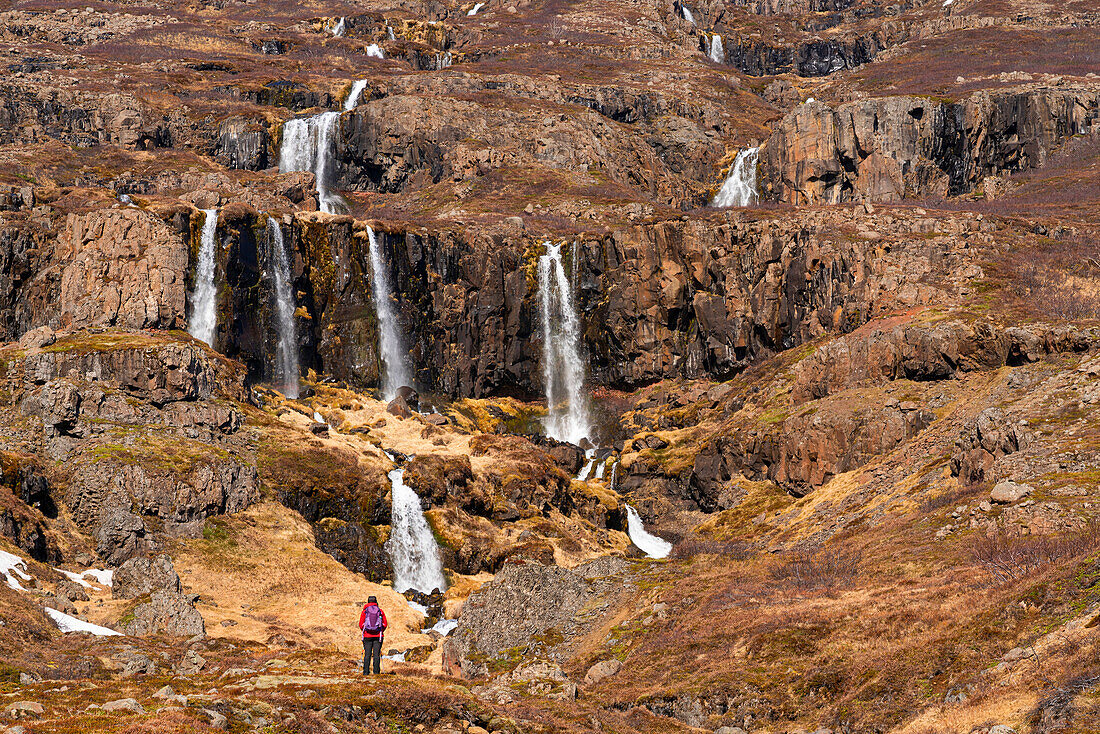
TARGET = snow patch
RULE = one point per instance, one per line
(65, 623)
(14, 568)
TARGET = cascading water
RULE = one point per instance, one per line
(739, 188)
(473, 10)
(649, 544)
(204, 298)
(308, 146)
(375, 50)
(589, 464)
(338, 29)
(411, 546)
(391, 343)
(286, 346)
(562, 368)
(353, 96)
(687, 14)
(390, 33)
(717, 52)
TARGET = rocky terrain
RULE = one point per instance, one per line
(445, 303)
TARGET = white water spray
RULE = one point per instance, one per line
(589, 464)
(562, 368)
(739, 188)
(338, 29)
(308, 146)
(204, 298)
(649, 544)
(376, 51)
(717, 52)
(286, 346)
(687, 14)
(390, 341)
(354, 95)
(390, 33)
(411, 545)
(473, 10)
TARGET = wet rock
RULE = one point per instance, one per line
(242, 143)
(140, 576)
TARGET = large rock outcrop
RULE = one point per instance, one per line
(889, 148)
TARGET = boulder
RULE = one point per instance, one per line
(167, 612)
(1007, 492)
(38, 338)
(602, 670)
(140, 576)
(24, 710)
(71, 589)
(124, 704)
(399, 407)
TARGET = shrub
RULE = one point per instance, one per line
(817, 569)
(1008, 558)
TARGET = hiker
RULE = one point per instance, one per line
(373, 623)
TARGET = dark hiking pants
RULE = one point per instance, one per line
(372, 650)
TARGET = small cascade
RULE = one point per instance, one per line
(687, 14)
(739, 188)
(614, 475)
(562, 368)
(411, 545)
(390, 33)
(204, 298)
(717, 52)
(442, 61)
(308, 145)
(376, 51)
(601, 467)
(354, 95)
(391, 343)
(473, 10)
(339, 28)
(649, 544)
(286, 347)
(589, 464)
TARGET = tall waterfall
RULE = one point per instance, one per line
(391, 343)
(308, 145)
(338, 29)
(286, 347)
(354, 95)
(650, 544)
(739, 188)
(204, 299)
(411, 545)
(717, 53)
(562, 368)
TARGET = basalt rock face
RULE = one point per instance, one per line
(398, 142)
(693, 299)
(811, 58)
(122, 267)
(142, 430)
(885, 149)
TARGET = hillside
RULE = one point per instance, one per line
(720, 367)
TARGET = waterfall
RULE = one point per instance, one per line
(562, 368)
(739, 188)
(687, 14)
(589, 464)
(390, 34)
(376, 51)
(601, 467)
(308, 145)
(442, 61)
(353, 96)
(286, 347)
(717, 53)
(338, 29)
(649, 544)
(390, 342)
(204, 299)
(473, 10)
(411, 545)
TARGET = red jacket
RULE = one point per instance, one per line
(363, 621)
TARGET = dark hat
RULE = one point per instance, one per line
(372, 600)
